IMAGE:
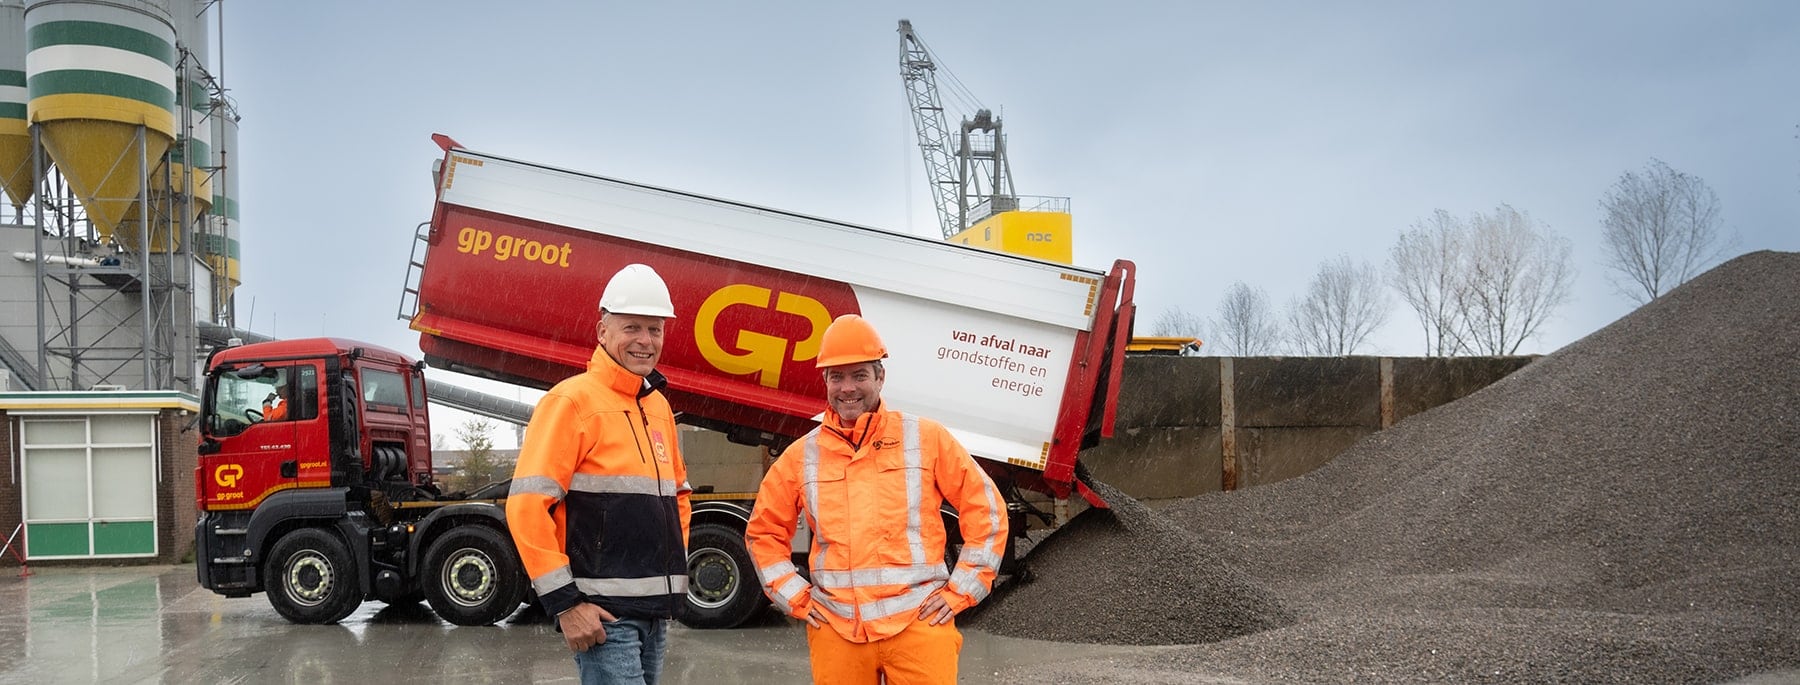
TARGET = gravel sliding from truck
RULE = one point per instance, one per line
(1626, 509)
(1144, 576)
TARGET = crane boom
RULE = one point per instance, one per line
(919, 74)
(971, 181)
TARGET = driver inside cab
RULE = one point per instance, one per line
(275, 406)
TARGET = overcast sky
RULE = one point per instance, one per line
(1208, 142)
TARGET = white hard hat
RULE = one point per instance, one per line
(636, 289)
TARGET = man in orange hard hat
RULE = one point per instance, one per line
(869, 481)
(599, 502)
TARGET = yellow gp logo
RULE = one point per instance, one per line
(758, 352)
(227, 476)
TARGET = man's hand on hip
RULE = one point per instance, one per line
(936, 609)
(582, 625)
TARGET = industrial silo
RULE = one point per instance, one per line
(221, 245)
(173, 213)
(101, 81)
(15, 129)
(196, 129)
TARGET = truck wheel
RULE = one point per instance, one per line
(311, 578)
(472, 576)
(723, 590)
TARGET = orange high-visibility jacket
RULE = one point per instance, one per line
(870, 495)
(599, 501)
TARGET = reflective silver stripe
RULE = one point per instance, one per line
(686, 487)
(894, 575)
(980, 558)
(789, 591)
(839, 608)
(769, 574)
(556, 578)
(995, 509)
(622, 485)
(966, 581)
(536, 485)
(909, 443)
(911, 601)
(811, 477)
(633, 587)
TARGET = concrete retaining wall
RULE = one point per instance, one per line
(1189, 425)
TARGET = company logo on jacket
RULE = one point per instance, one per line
(662, 449)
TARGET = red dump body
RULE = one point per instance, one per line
(1020, 358)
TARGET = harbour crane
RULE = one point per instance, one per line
(972, 185)
(970, 178)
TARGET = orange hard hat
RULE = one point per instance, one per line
(849, 340)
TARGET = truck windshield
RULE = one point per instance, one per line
(238, 401)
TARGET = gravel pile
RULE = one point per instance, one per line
(1138, 580)
(1626, 510)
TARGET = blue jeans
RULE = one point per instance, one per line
(631, 655)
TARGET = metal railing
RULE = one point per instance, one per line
(992, 205)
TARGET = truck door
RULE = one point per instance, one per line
(255, 416)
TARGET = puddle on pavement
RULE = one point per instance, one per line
(154, 624)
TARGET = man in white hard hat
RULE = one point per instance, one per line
(275, 406)
(599, 502)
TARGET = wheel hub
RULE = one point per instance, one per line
(713, 578)
(309, 579)
(469, 577)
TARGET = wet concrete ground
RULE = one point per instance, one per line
(154, 624)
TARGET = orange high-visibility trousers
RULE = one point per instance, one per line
(922, 654)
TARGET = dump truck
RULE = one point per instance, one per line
(1019, 358)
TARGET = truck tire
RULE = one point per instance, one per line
(723, 590)
(472, 576)
(311, 577)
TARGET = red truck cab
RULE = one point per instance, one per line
(314, 485)
(275, 419)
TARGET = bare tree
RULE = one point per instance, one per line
(1341, 308)
(1246, 325)
(1661, 228)
(1516, 274)
(1426, 266)
(1177, 322)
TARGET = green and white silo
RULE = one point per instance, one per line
(100, 77)
(174, 213)
(15, 129)
(194, 75)
(221, 246)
